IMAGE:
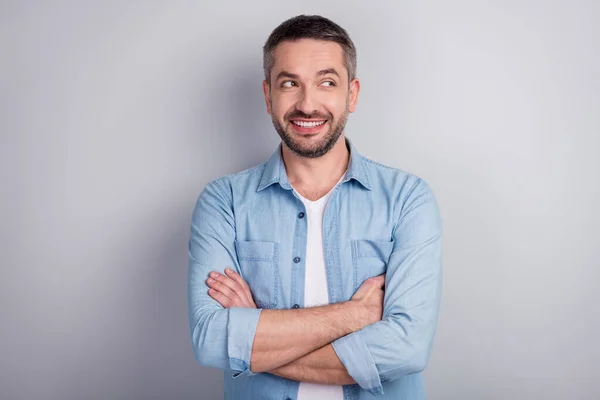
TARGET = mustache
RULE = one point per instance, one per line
(300, 114)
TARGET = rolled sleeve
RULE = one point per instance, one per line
(356, 357)
(221, 338)
(241, 330)
(400, 344)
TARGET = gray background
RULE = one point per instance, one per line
(114, 115)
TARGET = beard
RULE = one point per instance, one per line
(336, 128)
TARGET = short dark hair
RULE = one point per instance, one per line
(309, 27)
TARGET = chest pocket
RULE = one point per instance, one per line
(369, 259)
(258, 264)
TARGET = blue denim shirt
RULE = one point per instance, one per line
(378, 220)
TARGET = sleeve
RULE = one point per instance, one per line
(401, 342)
(221, 338)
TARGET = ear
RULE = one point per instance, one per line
(267, 93)
(354, 89)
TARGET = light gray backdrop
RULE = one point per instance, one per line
(115, 114)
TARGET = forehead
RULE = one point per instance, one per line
(307, 56)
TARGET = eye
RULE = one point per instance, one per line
(288, 84)
(328, 84)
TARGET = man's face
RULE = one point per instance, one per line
(309, 96)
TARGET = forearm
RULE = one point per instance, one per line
(321, 366)
(283, 336)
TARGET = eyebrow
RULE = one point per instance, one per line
(328, 71)
(285, 74)
(289, 75)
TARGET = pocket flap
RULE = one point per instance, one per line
(373, 248)
(252, 250)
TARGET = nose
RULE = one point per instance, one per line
(307, 101)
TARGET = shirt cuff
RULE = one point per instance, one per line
(241, 329)
(356, 357)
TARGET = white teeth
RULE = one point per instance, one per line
(306, 124)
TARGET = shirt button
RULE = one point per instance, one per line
(296, 260)
(296, 306)
(301, 215)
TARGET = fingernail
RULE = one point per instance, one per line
(214, 274)
(210, 280)
(229, 270)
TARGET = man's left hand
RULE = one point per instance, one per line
(230, 290)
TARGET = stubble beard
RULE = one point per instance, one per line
(318, 149)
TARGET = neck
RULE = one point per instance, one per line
(317, 172)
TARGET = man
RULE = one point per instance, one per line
(317, 274)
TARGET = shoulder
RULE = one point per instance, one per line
(398, 183)
(226, 185)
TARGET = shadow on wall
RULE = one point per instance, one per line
(240, 133)
(150, 352)
(239, 139)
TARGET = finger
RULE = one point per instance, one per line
(220, 287)
(236, 277)
(231, 289)
(230, 283)
(243, 297)
(220, 298)
(242, 283)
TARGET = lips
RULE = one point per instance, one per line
(308, 126)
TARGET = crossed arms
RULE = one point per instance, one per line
(344, 343)
(296, 344)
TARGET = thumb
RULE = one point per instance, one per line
(379, 280)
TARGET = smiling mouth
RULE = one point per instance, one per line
(308, 124)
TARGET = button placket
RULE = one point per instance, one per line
(298, 249)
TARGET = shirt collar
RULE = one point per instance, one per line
(274, 171)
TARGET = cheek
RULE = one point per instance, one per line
(335, 106)
(281, 106)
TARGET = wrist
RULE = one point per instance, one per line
(356, 313)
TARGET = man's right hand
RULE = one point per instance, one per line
(369, 297)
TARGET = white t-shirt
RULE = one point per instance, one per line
(315, 287)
